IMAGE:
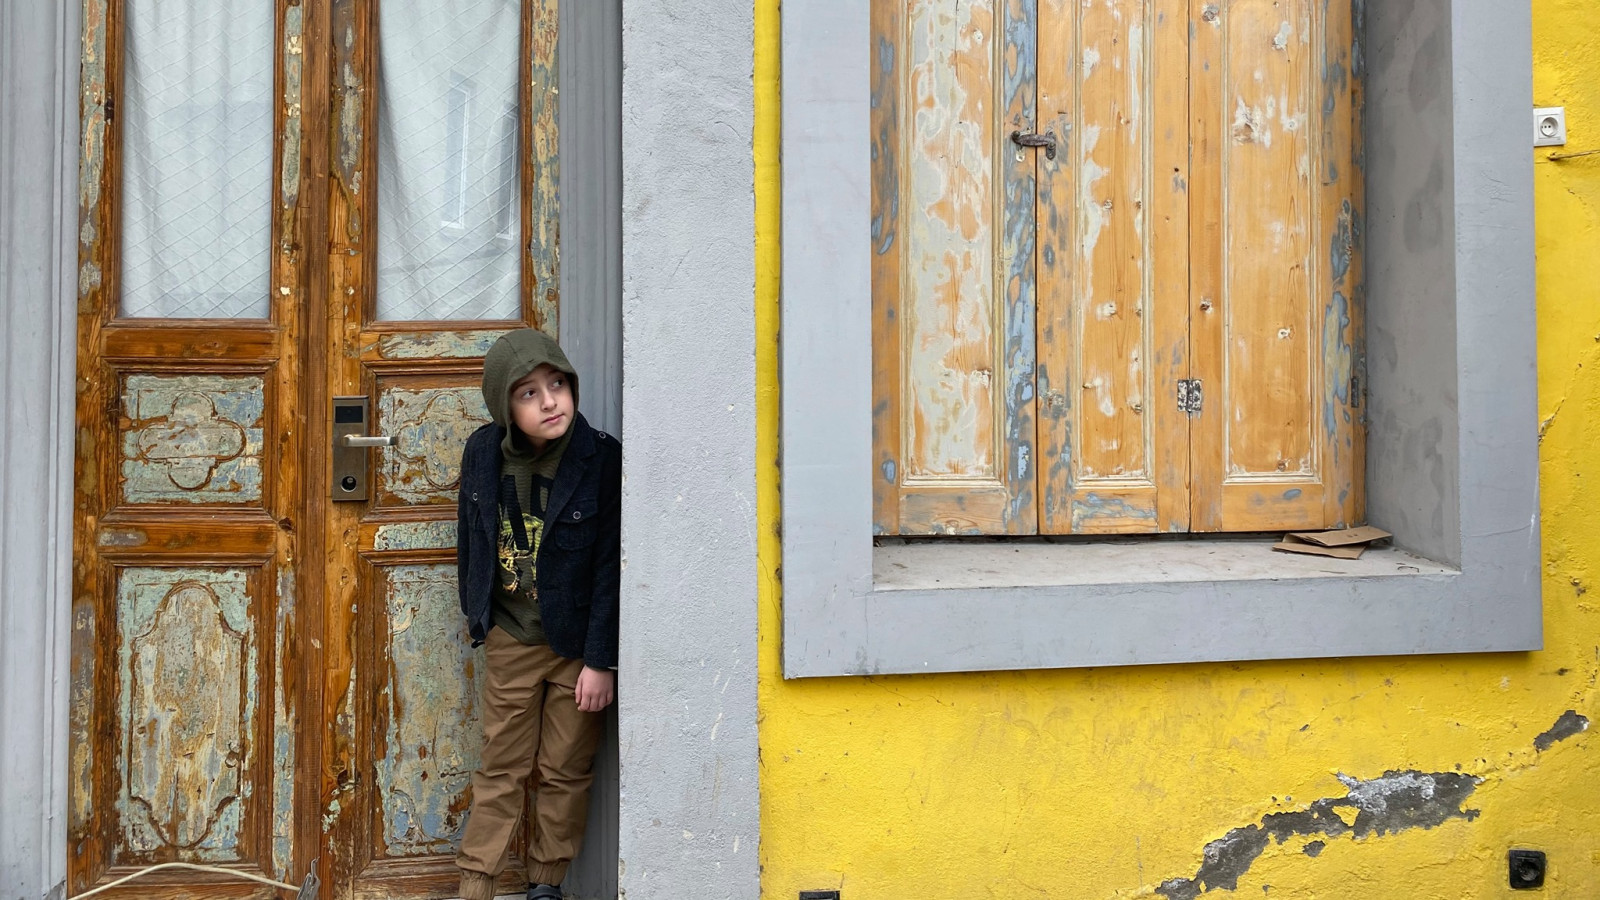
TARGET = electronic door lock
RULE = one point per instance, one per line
(351, 470)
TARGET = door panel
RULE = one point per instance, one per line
(189, 761)
(410, 315)
(183, 735)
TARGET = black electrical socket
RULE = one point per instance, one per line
(819, 895)
(1527, 869)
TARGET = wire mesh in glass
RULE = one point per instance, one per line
(449, 202)
(196, 117)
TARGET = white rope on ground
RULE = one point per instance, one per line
(216, 870)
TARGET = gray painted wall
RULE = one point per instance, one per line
(688, 666)
(590, 64)
(1413, 450)
(38, 263)
(590, 74)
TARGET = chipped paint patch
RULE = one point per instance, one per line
(293, 72)
(437, 344)
(415, 536)
(1092, 507)
(185, 752)
(543, 266)
(430, 426)
(112, 536)
(1395, 802)
(432, 736)
(192, 438)
(92, 143)
(1568, 725)
(349, 96)
(285, 726)
(82, 762)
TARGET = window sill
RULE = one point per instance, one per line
(934, 565)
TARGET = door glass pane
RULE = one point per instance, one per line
(196, 113)
(449, 220)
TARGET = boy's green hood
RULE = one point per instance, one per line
(514, 355)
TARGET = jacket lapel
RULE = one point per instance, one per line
(570, 472)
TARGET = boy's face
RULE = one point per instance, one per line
(541, 404)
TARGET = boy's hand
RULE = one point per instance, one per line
(596, 688)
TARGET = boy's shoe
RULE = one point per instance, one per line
(476, 885)
(544, 892)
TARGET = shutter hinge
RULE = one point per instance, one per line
(1190, 396)
(110, 107)
(1355, 391)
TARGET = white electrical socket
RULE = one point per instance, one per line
(1549, 126)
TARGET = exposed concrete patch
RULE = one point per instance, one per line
(1392, 803)
(1568, 725)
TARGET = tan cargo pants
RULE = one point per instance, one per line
(531, 725)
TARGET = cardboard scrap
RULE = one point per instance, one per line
(1348, 543)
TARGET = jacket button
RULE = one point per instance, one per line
(577, 514)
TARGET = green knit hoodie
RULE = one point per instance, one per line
(525, 479)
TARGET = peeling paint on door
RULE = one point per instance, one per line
(543, 188)
(415, 536)
(432, 737)
(430, 427)
(285, 729)
(188, 675)
(192, 438)
(437, 344)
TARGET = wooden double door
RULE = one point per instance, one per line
(301, 219)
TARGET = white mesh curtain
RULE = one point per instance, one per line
(449, 210)
(196, 112)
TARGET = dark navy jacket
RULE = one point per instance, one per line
(578, 566)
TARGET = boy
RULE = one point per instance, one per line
(538, 544)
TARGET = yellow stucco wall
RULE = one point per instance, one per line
(1107, 783)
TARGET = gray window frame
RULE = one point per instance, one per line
(1453, 449)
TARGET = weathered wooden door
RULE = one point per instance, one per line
(1116, 273)
(301, 219)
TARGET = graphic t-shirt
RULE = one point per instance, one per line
(516, 590)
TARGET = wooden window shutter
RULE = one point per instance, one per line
(1146, 320)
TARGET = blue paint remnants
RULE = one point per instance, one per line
(1337, 355)
(885, 171)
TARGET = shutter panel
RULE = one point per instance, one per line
(1275, 315)
(1113, 310)
(953, 239)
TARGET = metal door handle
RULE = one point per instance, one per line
(351, 480)
(1031, 139)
